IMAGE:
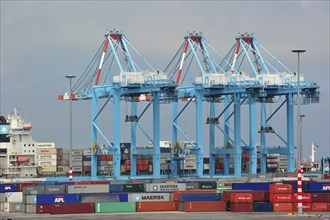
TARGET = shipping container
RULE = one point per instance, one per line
(192, 186)
(250, 186)
(147, 197)
(262, 207)
(176, 194)
(156, 206)
(72, 208)
(99, 197)
(123, 197)
(306, 197)
(64, 183)
(43, 151)
(110, 207)
(13, 197)
(282, 207)
(76, 163)
(280, 188)
(101, 182)
(30, 199)
(12, 207)
(87, 163)
(241, 207)
(116, 188)
(281, 198)
(77, 158)
(328, 206)
(76, 153)
(57, 198)
(320, 207)
(55, 189)
(8, 187)
(87, 152)
(164, 187)
(21, 185)
(33, 190)
(208, 185)
(133, 188)
(258, 195)
(205, 206)
(46, 183)
(87, 158)
(307, 207)
(320, 197)
(241, 198)
(30, 208)
(319, 186)
(43, 209)
(200, 197)
(100, 188)
(83, 183)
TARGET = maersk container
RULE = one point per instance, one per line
(149, 197)
(116, 188)
(164, 187)
(110, 207)
(8, 187)
(30, 199)
(319, 186)
(64, 183)
(33, 190)
(55, 189)
(57, 198)
(262, 207)
(99, 188)
(134, 188)
(99, 197)
(250, 186)
(200, 197)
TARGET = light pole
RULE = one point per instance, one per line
(299, 138)
(299, 147)
(70, 77)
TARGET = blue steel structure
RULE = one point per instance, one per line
(217, 80)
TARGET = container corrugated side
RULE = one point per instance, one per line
(57, 189)
(58, 198)
(99, 197)
(147, 197)
(8, 187)
(110, 207)
(164, 187)
(100, 188)
(33, 190)
(200, 197)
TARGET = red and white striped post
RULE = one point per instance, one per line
(300, 205)
(70, 174)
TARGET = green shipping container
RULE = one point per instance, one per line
(106, 207)
(133, 188)
(207, 185)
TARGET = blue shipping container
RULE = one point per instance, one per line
(123, 197)
(116, 188)
(87, 158)
(319, 186)
(8, 187)
(46, 183)
(250, 186)
(200, 197)
(99, 197)
(262, 207)
(57, 198)
(64, 183)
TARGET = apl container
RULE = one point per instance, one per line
(99, 197)
(262, 207)
(57, 198)
(72, 208)
(200, 197)
(100, 188)
(319, 186)
(148, 197)
(110, 207)
(8, 187)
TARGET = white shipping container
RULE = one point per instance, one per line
(76, 158)
(46, 157)
(87, 152)
(76, 169)
(14, 197)
(43, 151)
(148, 197)
(164, 187)
(76, 153)
(12, 207)
(46, 145)
(76, 163)
(46, 163)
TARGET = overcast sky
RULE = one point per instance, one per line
(42, 41)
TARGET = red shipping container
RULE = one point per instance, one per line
(21, 185)
(241, 198)
(307, 207)
(320, 197)
(258, 195)
(205, 206)
(328, 206)
(241, 207)
(320, 207)
(83, 183)
(281, 198)
(327, 176)
(72, 208)
(306, 198)
(176, 194)
(127, 163)
(44, 209)
(109, 157)
(156, 206)
(219, 166)
(282, 207)
(280, 188)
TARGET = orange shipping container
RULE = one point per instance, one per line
(83, 183)
(205, 206)
(281, 198)
(156, 206)
(282, 207)
(320, 207)
(176, 194)
(307, 207)
(241, 198)
(280, 188)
